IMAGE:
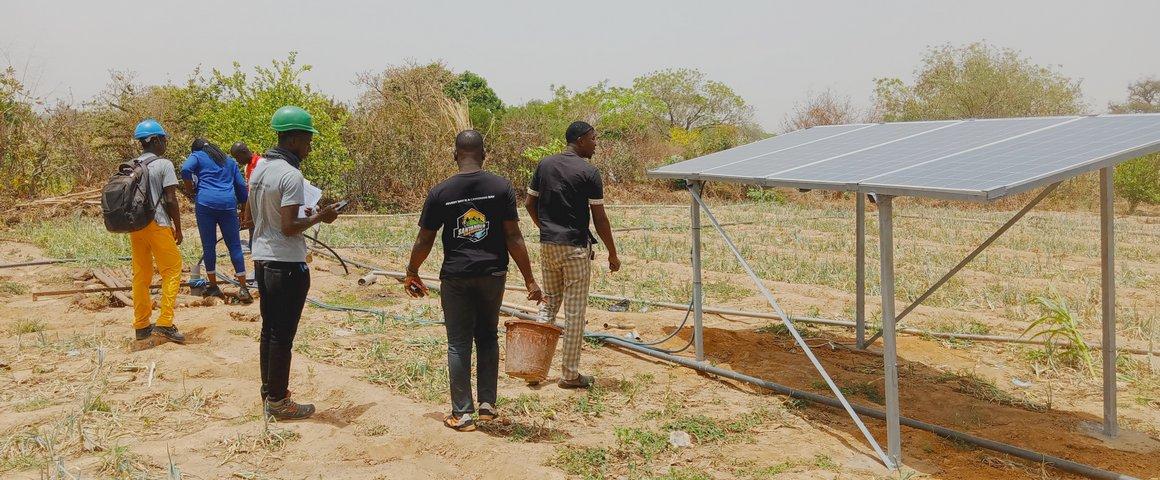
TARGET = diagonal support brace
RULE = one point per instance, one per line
(995, 236)
(785, 319)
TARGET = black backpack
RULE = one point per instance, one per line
(126, 201)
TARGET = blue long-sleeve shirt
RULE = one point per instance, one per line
(220, 187)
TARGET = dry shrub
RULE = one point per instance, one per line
(401, 134)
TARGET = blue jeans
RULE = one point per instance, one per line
(209, 220)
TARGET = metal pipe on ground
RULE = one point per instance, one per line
(52, 261)
(812, 320)
(1060, 463)
(51, 293)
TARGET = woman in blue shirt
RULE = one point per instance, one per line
(215, 182)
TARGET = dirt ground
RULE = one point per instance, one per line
(80, 399)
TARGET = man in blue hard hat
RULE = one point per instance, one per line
(277, 191)
(158, 241)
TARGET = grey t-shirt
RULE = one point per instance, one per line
(161, 175)
(273, 185)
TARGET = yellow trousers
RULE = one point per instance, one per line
(154, 243)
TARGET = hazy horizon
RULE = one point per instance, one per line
(771, 53)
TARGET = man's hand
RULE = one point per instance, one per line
(414, 286)
(328, 213)
(177, 236)
(613, 263)
(534, 292)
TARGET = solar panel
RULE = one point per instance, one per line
(1049, 155)
(972, 159)
(937, 144)
(778, 143)
(869, 137)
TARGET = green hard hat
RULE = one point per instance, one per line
(292, 118)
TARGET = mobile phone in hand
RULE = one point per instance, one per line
(338, 207)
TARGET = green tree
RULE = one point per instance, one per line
(483, 105)
(686, 99)
(1138, 180)
(977, 81)
(45, 148)
(242, 106)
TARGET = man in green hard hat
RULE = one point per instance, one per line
(279, 253)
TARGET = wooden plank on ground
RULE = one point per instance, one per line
(110, 280)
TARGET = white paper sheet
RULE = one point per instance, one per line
(312, 196)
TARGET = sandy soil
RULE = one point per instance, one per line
(110, 407)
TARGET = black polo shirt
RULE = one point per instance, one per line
(566, 185)
(471, 209)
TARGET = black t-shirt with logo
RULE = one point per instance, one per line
(566, 185)
(471, 209)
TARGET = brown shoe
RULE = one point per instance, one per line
(462, 423)
(286, 409)
(582, 381)
(486, 412)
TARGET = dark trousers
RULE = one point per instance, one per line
(471, 312)
(282, 288)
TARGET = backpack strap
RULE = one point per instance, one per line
(145, 164)
(147, 161)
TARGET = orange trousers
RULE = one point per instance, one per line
(154, 243)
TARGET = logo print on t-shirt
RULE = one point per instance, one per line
(472, 225)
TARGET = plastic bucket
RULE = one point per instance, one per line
(530, 347)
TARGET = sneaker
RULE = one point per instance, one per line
(144, 333)
(486, 412)
(582, 381)
(170, 333)
(212, 291)
(463, 423)
(286, 409)
(244, 296)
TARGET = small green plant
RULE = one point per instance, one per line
(1056, 322)
(703, 429)
(765, 195)
(26, 325)
(686, 473)
(589, 463)
(641, 443)
(8, 288)
(119, 462)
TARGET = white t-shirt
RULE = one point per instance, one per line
(273, 185)
(161, 175)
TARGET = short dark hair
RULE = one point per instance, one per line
(576, 130)
(289, 134)
(470, 141)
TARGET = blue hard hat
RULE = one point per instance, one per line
(148, 128)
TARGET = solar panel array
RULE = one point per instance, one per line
(955, 159)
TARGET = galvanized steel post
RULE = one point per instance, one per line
(698, 300)
(1108, 298)
(860, 270)
(889, 350)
